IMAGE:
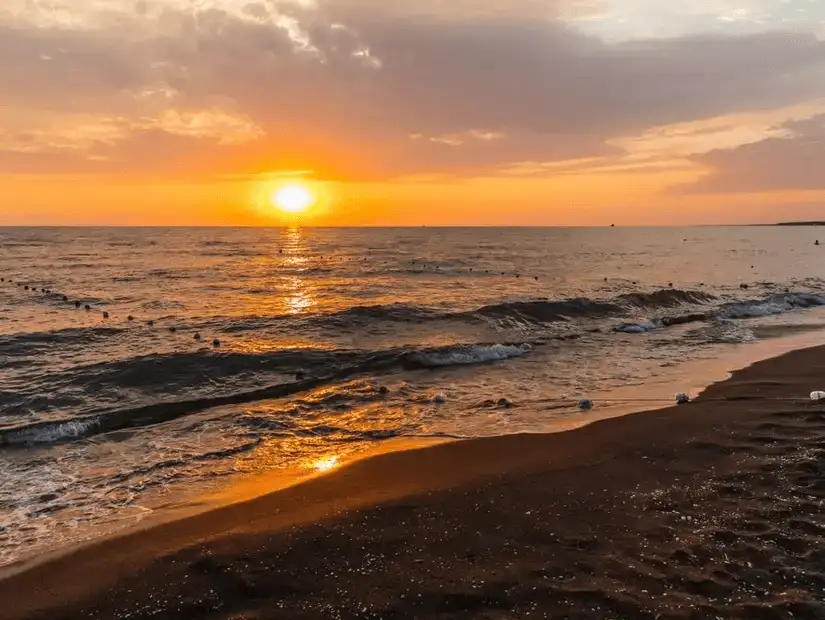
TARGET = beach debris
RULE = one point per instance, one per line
(130, 318)
(105, 315)
(216, 343)
(77, 304)
(65, 298)
(817, 395)
(150, 323)
(585, 404)
(682, 398)
(503, 403)
(197, 336)
(87, 307)
(300, 375)
(383, 390)
(173, 329)
(439, 399)
(743, 286)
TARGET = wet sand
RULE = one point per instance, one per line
(710, 510)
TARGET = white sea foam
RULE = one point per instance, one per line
(638, 328)
(471, 355)
(771, 307)
(50, 433)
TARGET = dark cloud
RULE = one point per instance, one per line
(353, 80)
(789, 163)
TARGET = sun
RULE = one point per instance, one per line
(292, 198)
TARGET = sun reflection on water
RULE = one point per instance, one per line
(327, 464)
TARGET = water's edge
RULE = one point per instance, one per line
(692, 378)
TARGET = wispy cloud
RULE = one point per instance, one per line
(365, 90)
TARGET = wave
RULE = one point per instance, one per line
(666, 298)
(22, 343)
(775, 304)
(402, 313)
(460, 356)
(546, 311)
(747, 309)
(130, 372)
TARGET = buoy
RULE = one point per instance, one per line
(26, 287)
(130, 318)
(682, 398)
(670, 284)
(585, 404)
(817, 395)
(87, 307)
(216, 343)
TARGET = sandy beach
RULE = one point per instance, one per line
(709, 510)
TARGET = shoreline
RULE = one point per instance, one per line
(611, 455)
(243, 489)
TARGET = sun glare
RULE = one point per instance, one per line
(292, 198)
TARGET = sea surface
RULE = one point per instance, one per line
(237, 352)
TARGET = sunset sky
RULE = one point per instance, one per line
(478, 112)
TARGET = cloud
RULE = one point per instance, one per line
(792, 161)
(339, 87)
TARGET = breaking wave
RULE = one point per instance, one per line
(458, 356)
(370, 362)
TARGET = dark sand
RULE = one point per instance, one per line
(710, 510)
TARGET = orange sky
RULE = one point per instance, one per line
(482, 112)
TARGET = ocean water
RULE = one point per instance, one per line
(335, 340)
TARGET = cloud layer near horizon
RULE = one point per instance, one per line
(366, 90)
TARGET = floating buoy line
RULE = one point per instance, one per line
(105, 314)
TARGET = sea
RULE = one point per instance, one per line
(144, 368)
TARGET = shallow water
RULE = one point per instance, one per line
(332, 340)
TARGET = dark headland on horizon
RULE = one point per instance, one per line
(822, 223)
